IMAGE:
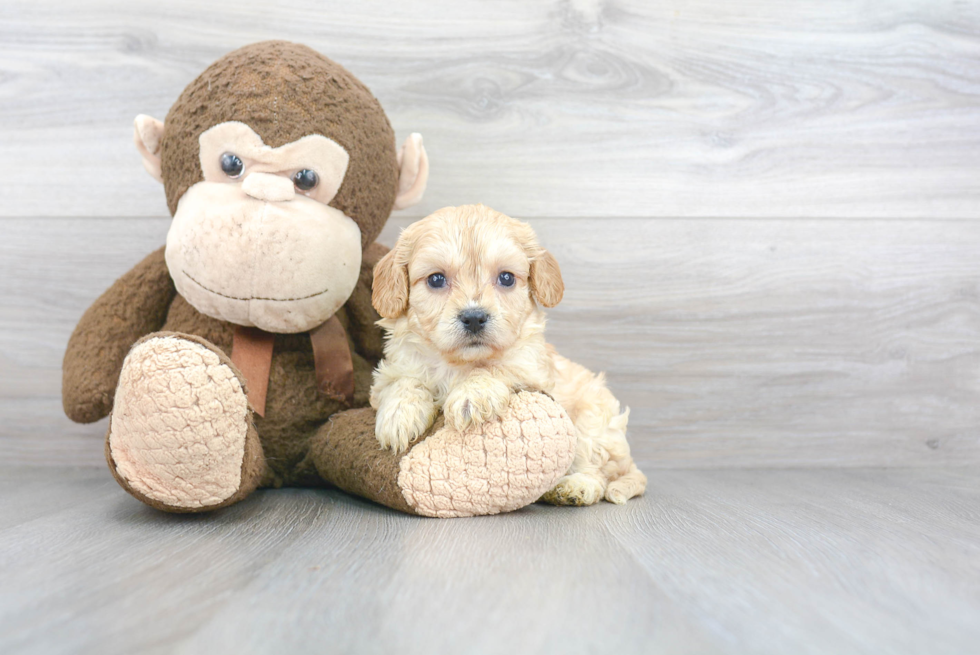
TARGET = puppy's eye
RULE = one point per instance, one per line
(305, 179)
(506, 279)
(436, 281)
(232, 165)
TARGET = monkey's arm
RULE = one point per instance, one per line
(367, 337)
(135, 305)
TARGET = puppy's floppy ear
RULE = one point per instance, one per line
(389, 294)
(545, 280)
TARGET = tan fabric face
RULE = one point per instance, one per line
(279, 266)
(318, 153)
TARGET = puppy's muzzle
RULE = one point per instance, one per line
(473, 320)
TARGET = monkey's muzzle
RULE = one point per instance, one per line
(279, 266)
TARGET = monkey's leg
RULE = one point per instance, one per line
(181, 436)
(499, 466)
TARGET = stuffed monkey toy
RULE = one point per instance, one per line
(239, 355)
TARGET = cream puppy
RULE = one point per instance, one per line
(459, 295)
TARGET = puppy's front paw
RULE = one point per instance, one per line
(475, 403)
(577, 489)
(400, 423)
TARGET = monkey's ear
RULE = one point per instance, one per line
(413, 174)
(147, 132)
(545, 280)
(389, 293)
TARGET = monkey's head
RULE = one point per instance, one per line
(280, 169)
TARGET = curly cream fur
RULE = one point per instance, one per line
(432, 364)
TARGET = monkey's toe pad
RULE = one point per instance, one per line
(495, 467)
(179, 424)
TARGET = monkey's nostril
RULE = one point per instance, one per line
(473, 320)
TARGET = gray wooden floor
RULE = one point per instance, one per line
(722, 561)
(768, 217)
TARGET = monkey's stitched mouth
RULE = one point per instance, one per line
(225, 295)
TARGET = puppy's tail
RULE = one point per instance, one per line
(618, 423)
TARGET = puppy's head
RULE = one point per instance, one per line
(466, 279)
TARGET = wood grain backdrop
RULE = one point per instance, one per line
(761, 108)
(767, 211)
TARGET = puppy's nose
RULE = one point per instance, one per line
(473, 320)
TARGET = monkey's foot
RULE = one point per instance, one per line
(498, 466)
(180, 435)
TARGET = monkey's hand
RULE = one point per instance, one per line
(405, 410)
(479, 398)
(133, 307)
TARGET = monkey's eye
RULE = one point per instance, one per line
(231, 164)
(436, 281)
(506, 279)
(305, 179)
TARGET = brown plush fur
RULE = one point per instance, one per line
(283, 91)
(345, 452)
(132, 307)
(269, 86)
